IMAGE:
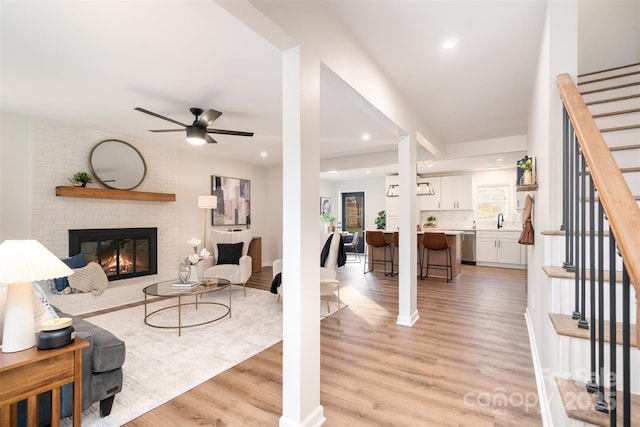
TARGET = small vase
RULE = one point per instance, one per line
(527, 177)
(193, 277)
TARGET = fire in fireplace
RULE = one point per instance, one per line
(122, 252)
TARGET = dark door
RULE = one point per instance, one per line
(353, 215)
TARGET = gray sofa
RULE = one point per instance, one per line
(102, 364)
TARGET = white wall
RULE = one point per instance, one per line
(608, 34)
(374, 197)
(37, 156)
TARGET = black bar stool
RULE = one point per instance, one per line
(376, 239)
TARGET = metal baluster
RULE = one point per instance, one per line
(626, 346)
(582, 323)
(592, 386)
(575, 225)
(601, 404)
(613, 398)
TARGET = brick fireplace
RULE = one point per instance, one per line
(122, 252)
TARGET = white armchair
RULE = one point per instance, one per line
(328, 282)
(229, 260)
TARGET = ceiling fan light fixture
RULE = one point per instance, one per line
(196, 135)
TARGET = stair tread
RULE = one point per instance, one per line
(561, 273)
(616, 113)
(624, 147)
(566, 326)
(602, 79)
(574, 396)
(614, 99)
(604, 89)
(617, 128)
(622, 67)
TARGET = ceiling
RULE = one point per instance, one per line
(91, 63)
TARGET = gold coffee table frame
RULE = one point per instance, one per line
(164, 290)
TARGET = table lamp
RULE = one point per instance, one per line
(207, 202)
(22, 262)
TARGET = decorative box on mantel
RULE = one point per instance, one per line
(102, 193)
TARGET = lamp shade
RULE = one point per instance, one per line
(207, 202)
(28, 261)
(425, 189)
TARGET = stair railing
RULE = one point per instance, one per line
(589, 166)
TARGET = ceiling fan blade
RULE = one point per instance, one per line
(166, 130)
(229, 132)
(208, 117)
(209, 139)
(142, 110)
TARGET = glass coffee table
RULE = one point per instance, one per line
(164, 290)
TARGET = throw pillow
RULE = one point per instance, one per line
(229, 253)
(42, 310)
(89, 279)
(76, 261)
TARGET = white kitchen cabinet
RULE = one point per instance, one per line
(431, 203)
(456, 193)
(498, 246)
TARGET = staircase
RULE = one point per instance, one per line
(613, 99)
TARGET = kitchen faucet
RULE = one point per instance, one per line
(500, 220)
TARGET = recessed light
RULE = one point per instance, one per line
(498, 160)
(366, 136)
(333, 172)
(429, 166)
(449, 44)
(367, 171)
(264, 154)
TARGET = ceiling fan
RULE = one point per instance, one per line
(198, 132)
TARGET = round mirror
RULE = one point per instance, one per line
(117, 164)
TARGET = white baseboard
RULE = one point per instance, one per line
(545, 409)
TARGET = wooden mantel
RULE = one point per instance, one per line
(103, 193)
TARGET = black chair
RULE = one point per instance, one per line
(352, 247)
(376, 239)
(436, 242)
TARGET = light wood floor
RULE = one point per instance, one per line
(466, 362)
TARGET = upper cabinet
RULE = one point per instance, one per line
(456, 193)
(431, 203)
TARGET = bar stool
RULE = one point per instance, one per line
(436, 242)
(376, 239)
(394, 250)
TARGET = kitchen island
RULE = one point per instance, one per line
(437, 257)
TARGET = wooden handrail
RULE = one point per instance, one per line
(613, 192)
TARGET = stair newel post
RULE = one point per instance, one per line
(582, 229)
(613, 358)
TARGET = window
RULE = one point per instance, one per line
(492, 200)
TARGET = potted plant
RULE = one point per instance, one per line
(431, 221)
(526, 165)
(328, 220)
(381, 220)
(81, 179)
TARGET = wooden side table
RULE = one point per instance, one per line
(26, 374)
(255, 252)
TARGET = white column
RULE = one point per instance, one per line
(301, 240)
(407, 293)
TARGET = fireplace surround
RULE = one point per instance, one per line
(122, 252)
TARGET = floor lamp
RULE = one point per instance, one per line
(207, 202)
(23, 262)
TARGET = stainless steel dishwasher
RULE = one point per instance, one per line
(468, 250)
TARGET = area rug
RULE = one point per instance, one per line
(159, 365)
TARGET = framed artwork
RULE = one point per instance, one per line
(234, 201)
(325, 205)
